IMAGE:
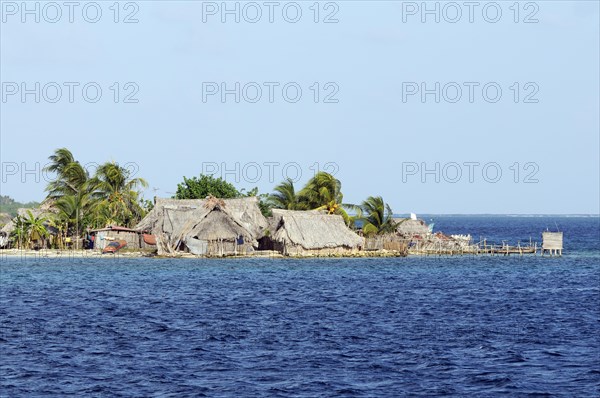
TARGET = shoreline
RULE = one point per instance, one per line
(70, 254)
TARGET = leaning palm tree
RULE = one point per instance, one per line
(284, 196)
(115, 194)
(61, 158)
(323, 192)
(69, 189)
(71, 177)
(376, 216)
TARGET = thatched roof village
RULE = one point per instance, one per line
(107, 211)
(223, 227)
(218, 227)
(215, 227)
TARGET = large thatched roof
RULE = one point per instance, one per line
(243, 210)
(219, 225)
(313, 230)
(174, 221)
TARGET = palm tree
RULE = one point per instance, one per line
(20, 232)
(72, 211)
(70, 189)
(323, 192)
(35, 228)
(115, 195)
(71, 177)
(60, 160)
(284, 196)
(376, 216)
(57, 223)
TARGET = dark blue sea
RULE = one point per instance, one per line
(393, 327)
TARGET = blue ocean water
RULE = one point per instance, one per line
(416, 326)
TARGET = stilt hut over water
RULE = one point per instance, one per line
(552, 243)
(301, 233)
(206, 227)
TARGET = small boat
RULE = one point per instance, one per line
(149, 239)
(114, 247)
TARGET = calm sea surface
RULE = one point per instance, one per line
(462, 326)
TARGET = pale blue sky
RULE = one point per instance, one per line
(368, 134)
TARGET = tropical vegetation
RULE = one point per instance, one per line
(78, 201)
(206, 185)
(324, 192)
(375, 216)
(284, 196)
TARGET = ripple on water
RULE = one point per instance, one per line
(371, 327)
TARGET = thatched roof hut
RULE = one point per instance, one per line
(305, 232)
(9, 227)
(22, 212)
(42, 211)
(4, 219)
(205, 226)
(408, 228)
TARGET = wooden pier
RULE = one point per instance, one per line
(481, 248)
(507, 250)
(452, 245)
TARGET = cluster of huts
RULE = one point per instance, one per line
(223, 227)
(219, 227)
